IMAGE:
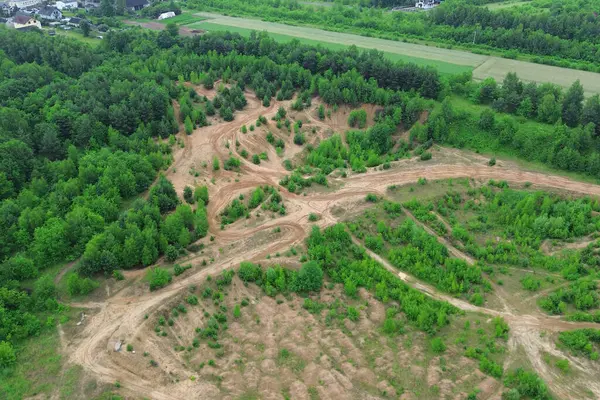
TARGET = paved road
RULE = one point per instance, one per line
(484, 66)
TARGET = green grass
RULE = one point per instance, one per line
(185, 18)
(37, 370)
(442, 67)
(506, 4)
(92, 40)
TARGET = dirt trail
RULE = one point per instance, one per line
(122, 315)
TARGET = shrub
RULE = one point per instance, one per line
(563, 365)
(158, 278)
(312, 217)
(192, 300)
(77, 285)
(426, 156)
(7, 354)
(492, 162)
(216, 164)
(188, 195)
(372, 198)
(178, 269)
(118, 275)
(201, 193)
(309, 278)
(129, 347)
(236, 311)
(171, 253)
(437, 345)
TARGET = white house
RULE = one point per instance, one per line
(50, 13)
(25, 22)
(23, 3)
(166, 15)
(66, 5)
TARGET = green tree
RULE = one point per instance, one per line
(216, 163)
(172, 29)
(189, 126)
(266, 101)
(549, 109)
(572, 105)
(590, 114)
(188, 195)
(163, 195)
(85, 28)
(309, 278)
(201, 193)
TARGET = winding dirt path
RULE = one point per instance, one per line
(122, 315)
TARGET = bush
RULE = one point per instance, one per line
(7, 354)
(249, 272)
(492, 162)
(426, 156)
(309, 278)
(188, 195)
(192, 300)
(178, 269)
(216, 164)
(201, 193)
(236, 311)
(372, 198)
(129, 347)
(312, 217)
(80, 286)
(118, 275)
(171, 253)
(158, 278)
(563, 365)
(437, 345)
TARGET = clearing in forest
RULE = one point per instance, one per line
(213, 334)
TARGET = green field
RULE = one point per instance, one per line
(442, 67)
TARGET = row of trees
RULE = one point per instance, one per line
(547, 103)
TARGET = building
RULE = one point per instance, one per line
(23, 3)
(425, 4)
(66, 5)
(25, 22)
(75, 21)
(50, 13)
(6, 10)
(166, 15)
(136, 5)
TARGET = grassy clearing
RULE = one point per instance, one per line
(37, 371)
(92, 40)
(442, 67)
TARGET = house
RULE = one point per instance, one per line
(23, 3)
(425, 4)
(166, 15)
(25, 22)
(66, 5)
(75, 21)
(50, 13)
(136, 5)
(6, 10)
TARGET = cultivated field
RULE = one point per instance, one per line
(446, 60)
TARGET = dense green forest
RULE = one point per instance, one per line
(78, 141)
(560, 33)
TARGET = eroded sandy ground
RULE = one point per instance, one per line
(121, 316)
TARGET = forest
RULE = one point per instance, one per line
(563, 33)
